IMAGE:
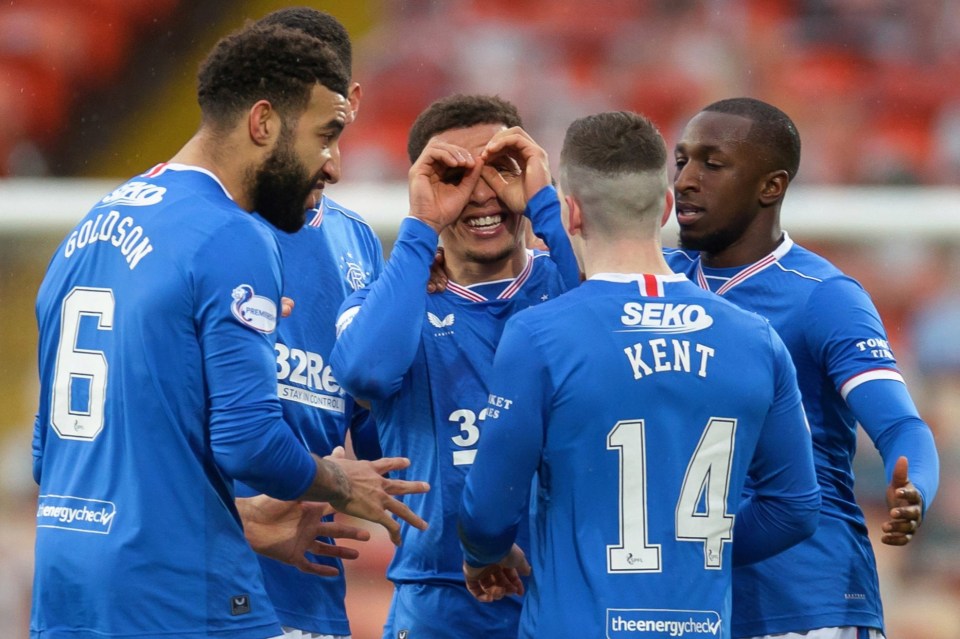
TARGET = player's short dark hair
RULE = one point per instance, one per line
(772, 130)
(614, 142)
(266, 62)
(317, 24)
(457, 112)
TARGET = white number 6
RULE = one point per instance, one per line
(76, 365)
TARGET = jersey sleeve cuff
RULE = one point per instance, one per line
(545, 199)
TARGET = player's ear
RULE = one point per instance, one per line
(263, 123)
(354, 95)
(574, 215)
(667, 207)
(774, 186)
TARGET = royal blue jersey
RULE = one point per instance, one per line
(334, 254)
(422, 360)
(847, 374)
(157, 321)
(640, 403)
(427, 382)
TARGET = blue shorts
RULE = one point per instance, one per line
(448, 611)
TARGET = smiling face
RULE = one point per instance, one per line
(486, 233)
(718, 184)
(305, 157)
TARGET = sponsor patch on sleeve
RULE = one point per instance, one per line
(254, 311)
(346, 318)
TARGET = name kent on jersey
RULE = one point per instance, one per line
(660, 355)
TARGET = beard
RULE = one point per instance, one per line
(711, 243)
(490, 258)
(281, 186)
(716, 241)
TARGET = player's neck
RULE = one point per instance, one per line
(226, 166)
(466, 272)
(745, 250)
(624, 256)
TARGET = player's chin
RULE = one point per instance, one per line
(487, 253)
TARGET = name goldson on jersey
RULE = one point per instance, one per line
(134, 245)
(660, 354)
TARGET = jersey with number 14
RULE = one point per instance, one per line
(639, 402)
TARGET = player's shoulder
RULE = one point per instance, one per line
(546, 310)
(185, 202)
(816, 276)
(542, 279)
(680, 256)
(542, 264)
(180, 185)
(745, 319)
(805, 263)
(333, 209)
(540, 257)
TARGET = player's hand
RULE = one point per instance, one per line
(510, 154)
(438, 276)
(441, 182)
(287, 530)
(286, 306)
(496, 581)
(906, 507)
(370, 493)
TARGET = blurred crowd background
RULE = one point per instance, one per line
(105, 89)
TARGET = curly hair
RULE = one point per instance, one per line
(318, 24)
(457, 112)
(266, 62)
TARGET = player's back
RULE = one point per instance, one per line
(134, 516)
(657, 394)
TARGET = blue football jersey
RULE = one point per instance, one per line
(422, 360)
(157, 320)
(638, 403)
(837, 342)
(333, 255)
(436, 416)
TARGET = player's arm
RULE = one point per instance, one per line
(249, 439)
(544, 213)
(379, 330)
(497, 490)
(237, 301)
(363, 434)
(846, 330)
(37, 446)
(888, 415)
(784, 508)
